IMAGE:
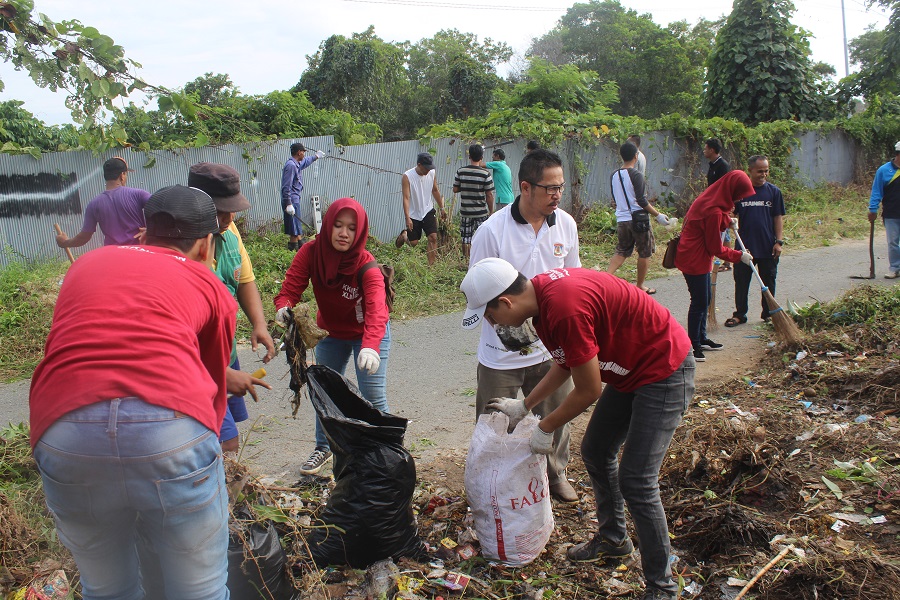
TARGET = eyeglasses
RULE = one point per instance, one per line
(551, 190)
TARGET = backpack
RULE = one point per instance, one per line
(387, 272)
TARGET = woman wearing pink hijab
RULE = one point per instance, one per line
(701, 240)
(352, 309)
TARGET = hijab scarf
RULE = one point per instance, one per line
(329, 265)
(721, 196)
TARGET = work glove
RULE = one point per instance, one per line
(734, 223)
(541, 441)
(320, 154)
(289, 209)
(511, 407)
(662, 219)
(673, 222)
(281, 317)
(368, 361)
(746, 258)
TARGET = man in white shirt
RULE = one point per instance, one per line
(417, 185)
(534, 235)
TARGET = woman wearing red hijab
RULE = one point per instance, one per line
(356, 319)
(701, 240)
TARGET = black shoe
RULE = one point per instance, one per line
(708, 344)
(657, 594)
(698, 355)
(293, 246)
(598, 548)
(315, 462)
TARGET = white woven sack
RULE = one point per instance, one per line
(508, 490)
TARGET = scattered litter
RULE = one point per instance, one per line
(839, 526)
(735, 582)
(801, 355)
(862, 419)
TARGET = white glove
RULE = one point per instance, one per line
(511, 407)
(320, 154)
(541, 441)
(662, 219)
(289, 209)
(734, 223)
(368, 361)
(746, 258)
(673, 222)
(281, 317)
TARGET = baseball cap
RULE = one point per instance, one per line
(114, 167)
(178, 211)
(221, 182)
(426, 160)
(489, 278)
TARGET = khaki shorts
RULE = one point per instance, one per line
(629, 241)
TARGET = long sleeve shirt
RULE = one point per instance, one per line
(292, 180)
(886, 191)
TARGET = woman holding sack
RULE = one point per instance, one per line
(701, 240)
(352, 307)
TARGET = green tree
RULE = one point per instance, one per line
(362, 75)
(453, 75)
(21, 131)
(650, 65)
(212, 90)
(877, 52)
(760, 69)
(566, 88)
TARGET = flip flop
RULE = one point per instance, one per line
(650, 291)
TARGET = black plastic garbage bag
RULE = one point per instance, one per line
(256, 561)
(374, 479)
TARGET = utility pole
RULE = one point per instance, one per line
(846, 51)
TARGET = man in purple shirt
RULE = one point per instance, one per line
(119, 210)
(291, 186)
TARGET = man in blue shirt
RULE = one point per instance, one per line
(761, 225)
(291, 186)
(886, 191)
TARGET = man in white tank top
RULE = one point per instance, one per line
(419, 187)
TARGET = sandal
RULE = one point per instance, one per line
(725, 267)
(735, 321)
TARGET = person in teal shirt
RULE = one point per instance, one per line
(502, 177)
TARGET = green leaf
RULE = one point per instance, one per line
(35, 153)
(151, 160)
(201, 140)
(90, 32)
(833, 487)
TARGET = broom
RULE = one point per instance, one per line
(711, 323)
(785, 328)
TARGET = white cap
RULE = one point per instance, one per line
(897, 147)
(485, 281)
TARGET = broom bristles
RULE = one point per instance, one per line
(784, 325)
(711, 323)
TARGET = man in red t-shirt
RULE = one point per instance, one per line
(126, 406)
(598, 329)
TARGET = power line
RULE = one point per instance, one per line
(442, 4)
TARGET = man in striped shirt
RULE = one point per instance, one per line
(475, 187)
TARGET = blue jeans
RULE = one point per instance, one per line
(892, 229)
(117, 466)
(698, 287)
(335, 354)
(644, 421)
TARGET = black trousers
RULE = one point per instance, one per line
(743, 277)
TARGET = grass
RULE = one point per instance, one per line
(816, 217)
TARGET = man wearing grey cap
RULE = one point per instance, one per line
(232, 266)
(623, 351)
(419, 187)
(127, 403)
(118, 210)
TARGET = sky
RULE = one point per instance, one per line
(263, 46)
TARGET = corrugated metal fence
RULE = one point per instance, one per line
(35, 194)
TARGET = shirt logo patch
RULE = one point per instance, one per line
(557, 249)
(559, 355)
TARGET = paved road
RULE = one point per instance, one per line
(431, 377)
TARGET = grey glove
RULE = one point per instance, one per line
(662, 219)
(541, 441)
(511, 407)
(281, 316)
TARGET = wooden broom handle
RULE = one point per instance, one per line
(68, 250)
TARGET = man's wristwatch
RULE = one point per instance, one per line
(779, 242)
